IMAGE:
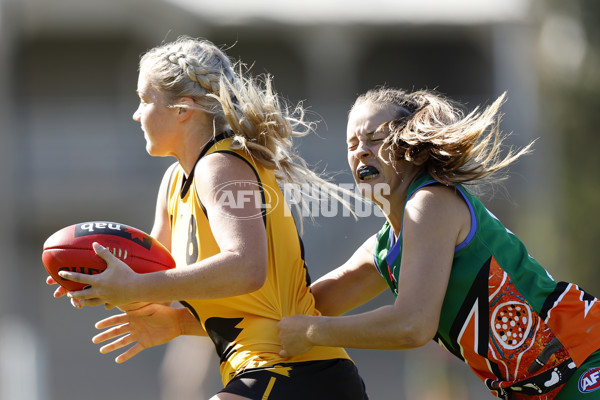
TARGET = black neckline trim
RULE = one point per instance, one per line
(187, 181)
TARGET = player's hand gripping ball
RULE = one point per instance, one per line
(70, 249)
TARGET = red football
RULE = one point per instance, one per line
(71, 249)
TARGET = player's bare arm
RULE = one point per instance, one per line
(432, 227)
(350, 285)
(239, 268)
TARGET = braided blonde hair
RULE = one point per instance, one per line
(433, 132)
(262, 124)
(190, 68)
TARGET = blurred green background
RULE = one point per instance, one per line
(70, 152)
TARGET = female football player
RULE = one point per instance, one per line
(458, 275)
(221, 212)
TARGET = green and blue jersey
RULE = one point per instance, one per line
(519, 330)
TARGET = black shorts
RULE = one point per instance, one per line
(315, 380)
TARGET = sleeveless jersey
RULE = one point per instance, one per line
(520, 331)
(244, 328)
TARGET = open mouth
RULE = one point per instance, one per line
(367, 172)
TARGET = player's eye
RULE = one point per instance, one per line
(143, 99)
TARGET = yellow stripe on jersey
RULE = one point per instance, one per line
(269, 388)
(244, 328)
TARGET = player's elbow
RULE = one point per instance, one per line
(254, 281)
(409, 337)
(408, 334)
(255, 273)
(419, 337)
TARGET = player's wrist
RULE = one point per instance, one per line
(312, 330)
(187, 324)
(181, 321)
(135, 291)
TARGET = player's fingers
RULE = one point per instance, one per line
(50, 280)
(82, 298)
(76, 303)
(103, 252)
(117, 344)
(60, 292)
(80, 303)
(77, 277)
(133, 351)
(87, 293)
(113, 320)
(111, 333)
(283, 354)
(91, 302)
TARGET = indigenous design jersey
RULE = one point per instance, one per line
(519, 330)
(244, 328)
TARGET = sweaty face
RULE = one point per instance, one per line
(156, 119)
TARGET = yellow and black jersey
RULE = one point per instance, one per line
(244, 328)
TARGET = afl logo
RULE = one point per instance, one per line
(239, 194)
(590, 380)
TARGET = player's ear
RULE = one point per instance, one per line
(184, 108)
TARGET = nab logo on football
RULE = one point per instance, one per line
(590, 381)
(111, 228)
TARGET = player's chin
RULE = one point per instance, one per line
(152, 150)
(367, 188)
(150, 144)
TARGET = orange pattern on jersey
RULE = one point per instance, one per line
(517, 335)
(575, 316)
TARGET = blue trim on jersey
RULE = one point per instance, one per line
(473, 230)
(394, 249)
(375, 256)
(394, 245)
(423, 185)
